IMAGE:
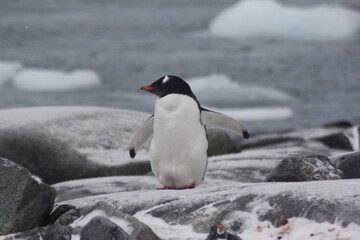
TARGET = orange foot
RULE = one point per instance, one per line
(192, 186)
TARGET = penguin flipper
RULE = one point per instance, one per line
(218, 120)
(142, 134)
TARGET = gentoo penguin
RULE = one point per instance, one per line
(178, 149)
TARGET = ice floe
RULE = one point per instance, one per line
(271, 19)
(241, 101)
(53, 80)
(8, 70)
(219, 90)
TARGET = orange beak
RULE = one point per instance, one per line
(148, 88)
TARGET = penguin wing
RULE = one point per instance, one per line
(142, 134)
(218, 120)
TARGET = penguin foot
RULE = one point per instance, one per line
(192, 186)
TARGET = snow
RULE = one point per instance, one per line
(53, 80)
(82, 221)
(8, 70)
(233, 94)
(271, 19)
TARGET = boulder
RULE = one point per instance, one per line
(349, 163)
(101, 228)
(25, 202)
(64, 143)
(103, 219)
(306, 168)
(255, 164)
(220, 143)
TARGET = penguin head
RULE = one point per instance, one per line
(168, 85)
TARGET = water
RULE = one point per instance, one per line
(131, 43)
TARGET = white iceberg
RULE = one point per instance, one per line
(51, 80)
(219, 91)
(270, 19)
(8, 70)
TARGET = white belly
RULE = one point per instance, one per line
(178, 150)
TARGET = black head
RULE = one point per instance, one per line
(169, 84)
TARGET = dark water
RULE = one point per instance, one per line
(131, 43)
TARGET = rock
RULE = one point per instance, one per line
(25, 202)
(111, 220)
(307, 168)
(235, 204)
(220, 143)
(50, 232)
(64, 143)
(327, 135)
(348, 163)
(254, 165)
(100, 228)
(83, 187)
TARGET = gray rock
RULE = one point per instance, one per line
(348, 163)
(84, 188)
(25, 202)
(328, 135)
(307, 168)
(50, 232)
(233, 203)
(101, 228)
(220, 143)
(65, 143)
(136, 229)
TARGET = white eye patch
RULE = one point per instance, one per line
(165, 80)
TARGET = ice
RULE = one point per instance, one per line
(233, 94)
(52, 80)
(270, 19)
(258, 114)
(8, 71)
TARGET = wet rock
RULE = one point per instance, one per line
(348, 163)
(25, 202)
(220, 143)
(101, 228)
(50, 232)
(307, 168)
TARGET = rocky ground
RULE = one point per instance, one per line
(288, 185)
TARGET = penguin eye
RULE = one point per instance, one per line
(163, 84)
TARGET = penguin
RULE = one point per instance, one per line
(178, 149)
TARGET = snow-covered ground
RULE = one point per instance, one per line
(273, 20)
